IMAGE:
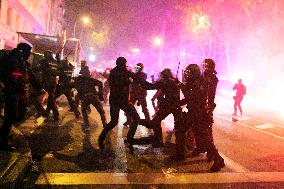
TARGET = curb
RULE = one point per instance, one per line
(13, 174)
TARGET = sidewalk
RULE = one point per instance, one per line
(14, 165)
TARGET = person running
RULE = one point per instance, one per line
(240, 92)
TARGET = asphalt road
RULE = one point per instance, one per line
(252, 144)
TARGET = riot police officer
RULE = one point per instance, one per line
(194, 91)
(84, 69)
(119, 80)
(50, 72)
(169, 87)
(138, 93)
(14, 75)
(65, 84)
(88, 94)
(210, 84)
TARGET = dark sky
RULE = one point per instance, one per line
(119, 25)
(129, 23)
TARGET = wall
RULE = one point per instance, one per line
(29, 16)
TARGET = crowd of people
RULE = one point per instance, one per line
(199, 94)
(54, 77)
(24, 85)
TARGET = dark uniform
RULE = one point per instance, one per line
(195, 98)
(49, 69)
(65, 85)
(84, 69)
(210, 84)
(119, 81)
(15, 76)
(88, 94)
(138, 93)
(169, 104)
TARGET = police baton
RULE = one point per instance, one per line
(177, 69)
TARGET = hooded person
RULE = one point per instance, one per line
(88, 94)
(119, 81)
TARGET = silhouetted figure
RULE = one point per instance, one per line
(65, 84)
(49, 72)
(138, 93)
(88, 94)
(14, 75)
(169, 104)
(119, 80)
(157, 98)
(240, 92)
(84, 69)
(210, 84)
(196, 100)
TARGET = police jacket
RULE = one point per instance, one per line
(86, 86)
(119, 81)
(210, 86)
(49, 71)
(49, 68)
(137, 89)
(194, 96)
(15, 73)
(169, 88)
(65, 73)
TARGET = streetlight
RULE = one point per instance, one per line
(85, 20)
(157, 41)
(200, 22)
(135, 50)
(92, 57)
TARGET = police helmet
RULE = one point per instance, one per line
(139, 67)
(166, 73)
(24, 47)
(209, 64)
(121, 61)
(192, 71)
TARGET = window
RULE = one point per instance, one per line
(18, 23)
(9, 16)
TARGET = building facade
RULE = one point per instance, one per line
(29, 16)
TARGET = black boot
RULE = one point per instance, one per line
(196, 152)
(101, 143)
(218, 164)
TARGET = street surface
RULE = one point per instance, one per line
(252, 145)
